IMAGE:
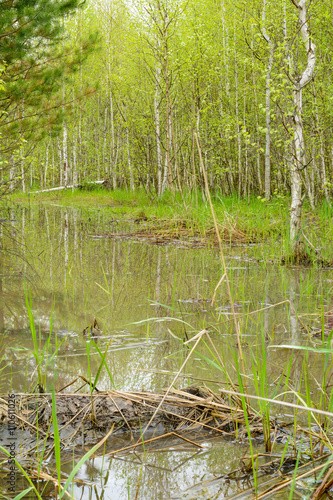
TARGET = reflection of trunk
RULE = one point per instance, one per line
(294, 299)
(294, 294)
(299, 146)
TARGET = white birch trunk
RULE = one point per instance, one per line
(22, 175)
(74, 170)
(268, 108)
(158, 129)
(46, 164)
(322, 155)
(239, 140)
(165, 175)
(106, 166)
(11, 174)
(113, 146)
(299, 147)
(132, 187)
(65, 154)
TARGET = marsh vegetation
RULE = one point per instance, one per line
(163, 326)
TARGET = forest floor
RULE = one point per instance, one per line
(171, 218)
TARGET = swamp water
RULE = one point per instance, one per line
(148, 300)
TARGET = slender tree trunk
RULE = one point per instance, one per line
(299, 145)
(11, 174)
(104, 157)
(113, 145)
(175, 151)
(132, 187)
(158, 128)
(64, 142)
(239, 140)
(268, 108)
(74, 146)
(46, 164)
(64, 154)
(268, 126)
(22, 174)
(245, 143)
(168, 118)
(254, 83)
(322, 153)
(194, 175)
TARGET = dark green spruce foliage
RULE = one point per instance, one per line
(34, 64)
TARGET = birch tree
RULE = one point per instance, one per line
(299, 163)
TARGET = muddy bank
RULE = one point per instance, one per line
(86, 417)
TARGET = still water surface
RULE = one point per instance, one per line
(148, 299)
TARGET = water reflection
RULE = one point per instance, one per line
(63, 257)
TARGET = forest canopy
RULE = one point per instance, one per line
(35, 62)
(168, 71)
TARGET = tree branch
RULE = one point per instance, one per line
(295, 3)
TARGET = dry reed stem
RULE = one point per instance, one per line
(73, 382)
(121, 413)
(286, 482)
(325, 484)
(223, 262)
(174, 380)
(281, 403)
(216, 288)
(47, 477)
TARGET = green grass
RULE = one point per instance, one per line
(250, 220)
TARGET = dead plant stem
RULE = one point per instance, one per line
(223, 262)
(198, 336)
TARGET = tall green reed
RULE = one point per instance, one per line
(43, 351)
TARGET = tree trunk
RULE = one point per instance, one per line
(268, 108)
(299, 146)
(158, 129)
